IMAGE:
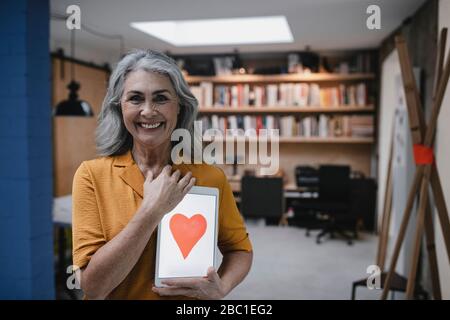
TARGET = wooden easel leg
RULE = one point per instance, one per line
(423, 204)
(386, 226)
(439, 200)
(401, 234)
(387, 209)
(432, 258)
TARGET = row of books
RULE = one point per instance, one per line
(292, 126)
(283, 94)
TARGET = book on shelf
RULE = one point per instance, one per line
(280, 95)
(207, 89)
(198, 94)
(314, 95)
(359, 63)
(203, 93)
(361, 126)
(323, 126)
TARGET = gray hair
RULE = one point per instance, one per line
(112, 137)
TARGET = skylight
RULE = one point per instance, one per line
(229, 31)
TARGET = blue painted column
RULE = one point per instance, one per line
(26, 184)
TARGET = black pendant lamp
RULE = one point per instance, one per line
(73, 106)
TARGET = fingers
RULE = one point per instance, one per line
(175, 292)
(189, 185)
(167, 170)
(184, 287)
(149, 175)
(185, 180)
(185, 183)
(190, 283)
(176, 175)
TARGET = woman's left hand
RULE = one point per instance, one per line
(210, 287)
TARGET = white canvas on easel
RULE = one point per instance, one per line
(403, 169)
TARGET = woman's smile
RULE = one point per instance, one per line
(151, 126)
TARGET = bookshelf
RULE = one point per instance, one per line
(297, 147)
(290, 110)
(278, 78)
(346, 140)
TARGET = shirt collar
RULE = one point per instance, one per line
(123, 160)
(131, 174)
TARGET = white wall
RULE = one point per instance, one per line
(443, 161)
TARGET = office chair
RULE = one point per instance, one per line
(333, 206)
(262, 197)
(306, 177)
(363, 197)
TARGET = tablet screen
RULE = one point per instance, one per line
(187, 238)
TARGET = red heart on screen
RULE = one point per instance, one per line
(187, 231)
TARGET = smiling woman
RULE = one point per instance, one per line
(120, 198)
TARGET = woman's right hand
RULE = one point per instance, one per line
(163, 193)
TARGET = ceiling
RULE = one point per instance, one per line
(319, 24)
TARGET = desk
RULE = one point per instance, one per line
(291, 190)
(62, 219)
(62, 210)
(362, 195)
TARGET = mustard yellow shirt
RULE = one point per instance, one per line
(106, 194)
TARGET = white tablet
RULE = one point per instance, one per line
(187, 237)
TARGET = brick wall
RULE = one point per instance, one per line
(26, 237)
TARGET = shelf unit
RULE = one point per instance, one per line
(290, 110)
(279, 78)
(350, 140)
(295, 150)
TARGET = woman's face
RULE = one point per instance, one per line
(150, 107)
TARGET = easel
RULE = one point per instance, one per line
(398, 282)
(426, 171)
(387, 209)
